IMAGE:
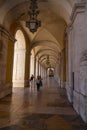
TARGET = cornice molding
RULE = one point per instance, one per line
(78, 8)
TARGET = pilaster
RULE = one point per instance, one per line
(77, 44)
(5, 38)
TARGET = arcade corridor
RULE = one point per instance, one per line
(45, 38)
(48, 109)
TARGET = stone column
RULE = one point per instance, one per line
(69, 86)
(27, 68)
(39, 68)
(35, 71)
(56, 73)
(44, 72)
(6, 65)
(31, 65)
(34, 67)
(41, 71)
(63, 68)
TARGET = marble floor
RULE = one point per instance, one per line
(48, 109)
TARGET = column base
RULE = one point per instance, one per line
(5, 89)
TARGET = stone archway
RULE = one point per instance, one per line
(19, 60)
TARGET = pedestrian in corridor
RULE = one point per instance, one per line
(31, 80)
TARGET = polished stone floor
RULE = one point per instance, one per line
(48, 109)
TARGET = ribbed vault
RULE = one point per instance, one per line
(49, 39)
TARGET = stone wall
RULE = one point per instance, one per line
(83, 85)
(5, 88)
(77, 59)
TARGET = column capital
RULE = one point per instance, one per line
(69, 29)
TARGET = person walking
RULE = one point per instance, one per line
(38, 83)
(31, 80)
(41, 84)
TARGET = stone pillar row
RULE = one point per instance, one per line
(57, 73)
(60, 71)
(39, 69)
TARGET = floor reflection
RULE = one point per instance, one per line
(50, 101)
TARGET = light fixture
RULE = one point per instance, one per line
(33, 22)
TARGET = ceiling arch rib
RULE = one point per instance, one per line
(54, 5)
(43, 50)
(51, 32)
(45, 56)
(42, 55)
(46, 51)
(38, 48)
(52, 60)
(46, 43)
(51, 65)
(51, 57)
(53, 23)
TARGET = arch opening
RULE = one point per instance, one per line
(32, 63)
(19, 60)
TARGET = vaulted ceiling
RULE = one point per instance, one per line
(54, 15)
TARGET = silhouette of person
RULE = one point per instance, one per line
(31, 80)
(38, 83)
